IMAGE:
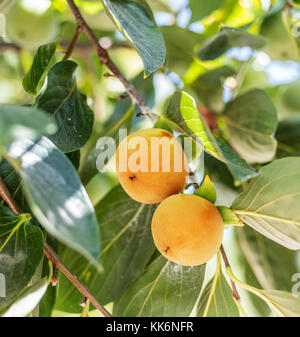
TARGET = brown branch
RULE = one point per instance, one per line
(105, 59)
(52, 256)
(73, 42)
(6, 196)
(233, 286)
(55, 259)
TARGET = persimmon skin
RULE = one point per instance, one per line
(153, 187)
(187, 229)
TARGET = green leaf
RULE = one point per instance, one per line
(62, 99)
(202, 8)
(41, 61)
(56, 196)
(180, 44)
(270, 204)
(135, 21)
(239, 168)
(272, 264)
(244, 270)
(288, 137)
(119, 120)
(21, 251)
(251, 126)
(165, 289)
(216, 299)
(209, 87)
(127, 245)
(183, 113)
(229, 217)
(13, 183)
(19, 121)
(74, 158)
(285, 303)
(226, 39)
(27, 301)
(207, 190)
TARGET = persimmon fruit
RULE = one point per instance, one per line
(187, 229)
(148, 169)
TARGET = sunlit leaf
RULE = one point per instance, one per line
(56, 196)
(270, 202)
(135, 21)
(40, 63)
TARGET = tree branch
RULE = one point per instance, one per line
(73, 42)
(105, 59)
(52, 256)
(233, 286)
(55, 259)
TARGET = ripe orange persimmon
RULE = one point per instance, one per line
(149, 169)
(187, 229)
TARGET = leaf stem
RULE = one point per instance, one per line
(255, 291)
(235, 293)
(51, 255)
(105, 59)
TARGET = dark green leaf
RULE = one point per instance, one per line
(135, 21)
(41, 61)
(165, 289)
(56, 196)
(270, 204)
(209, 87)
(288, 137)
(251, 126)
(226, 39)
(74, 157)
(21, 252)
(19, 121)
(62, 99)
(127, 246)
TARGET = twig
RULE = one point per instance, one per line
(5, 194)
(234, 290)
(52, 256)
(105, 59)
(73, 42)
